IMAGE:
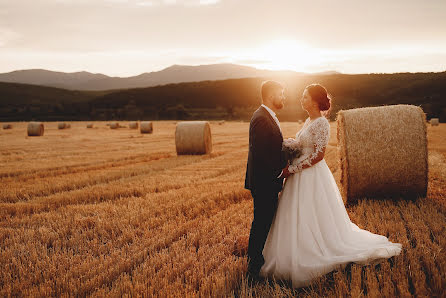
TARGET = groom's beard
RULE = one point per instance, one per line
(278, 105)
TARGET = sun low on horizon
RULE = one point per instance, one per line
(280, 54)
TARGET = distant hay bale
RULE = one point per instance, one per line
(193, 137)
(7, 126)
(146, 127)
(221, 122)
(62, 125)
(114, 125)
(68, 125)
(383, 152)
(435, 121)
(90, 125)
(300, 121)
(133, 125)
(35, 129)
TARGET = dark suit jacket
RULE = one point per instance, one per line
(265, 159)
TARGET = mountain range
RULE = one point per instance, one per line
(174, 74)
(232, 99)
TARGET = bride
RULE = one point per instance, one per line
(311, 233)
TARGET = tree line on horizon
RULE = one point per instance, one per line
(232, 99)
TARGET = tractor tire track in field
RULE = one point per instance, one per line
(103, 178)
(62, 182)
(25, 175)
(161, 235)
(104, 192)
(204, 219)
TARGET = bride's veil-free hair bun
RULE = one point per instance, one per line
(320, 95)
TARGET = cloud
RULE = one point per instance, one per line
(7, 37)
(202, 28)
(208, 2)
(146, 3)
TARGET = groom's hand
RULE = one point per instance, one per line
(285, 173)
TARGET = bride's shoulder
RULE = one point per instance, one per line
(320, 123)
(324, 120)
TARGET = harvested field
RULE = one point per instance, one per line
(100, 212)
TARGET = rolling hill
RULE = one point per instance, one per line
(221, 99)
(173, 74)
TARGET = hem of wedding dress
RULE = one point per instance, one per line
(371, 261)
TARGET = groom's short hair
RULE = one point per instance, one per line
(268, 87)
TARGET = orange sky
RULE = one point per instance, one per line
(129, 37)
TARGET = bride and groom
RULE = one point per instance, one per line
(305, 231)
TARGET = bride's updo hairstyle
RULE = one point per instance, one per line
(320, 95)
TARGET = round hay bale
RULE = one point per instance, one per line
(90, 125)
(193, 137)
(383, 152)
(435, 121)
(35, 129)
(146, 127)
(62, 125)
(114, 125)
(7, 126)
(221, 122)
(133, 125)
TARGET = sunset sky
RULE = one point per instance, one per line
(129, 37)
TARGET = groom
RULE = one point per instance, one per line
(264, 174)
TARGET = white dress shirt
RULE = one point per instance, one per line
(272, 115)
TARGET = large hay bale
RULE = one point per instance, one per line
(114, 125)
(133, 125)
(35, 129)
(383, 152)
(146, 127)
(435, 121)
(90, 125)
(7, 126)
(193, 137)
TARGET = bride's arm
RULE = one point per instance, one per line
(309, 162)
(320, 134)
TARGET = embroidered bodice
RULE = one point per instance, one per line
(312, 139)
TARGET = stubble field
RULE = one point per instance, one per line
(101, 212)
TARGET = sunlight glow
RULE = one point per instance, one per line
(284, 54)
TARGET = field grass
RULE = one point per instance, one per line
(100, 212)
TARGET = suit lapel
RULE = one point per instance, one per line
(271, 119)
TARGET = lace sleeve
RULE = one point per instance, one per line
(319, 132)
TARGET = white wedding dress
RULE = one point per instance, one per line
(311, 233)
